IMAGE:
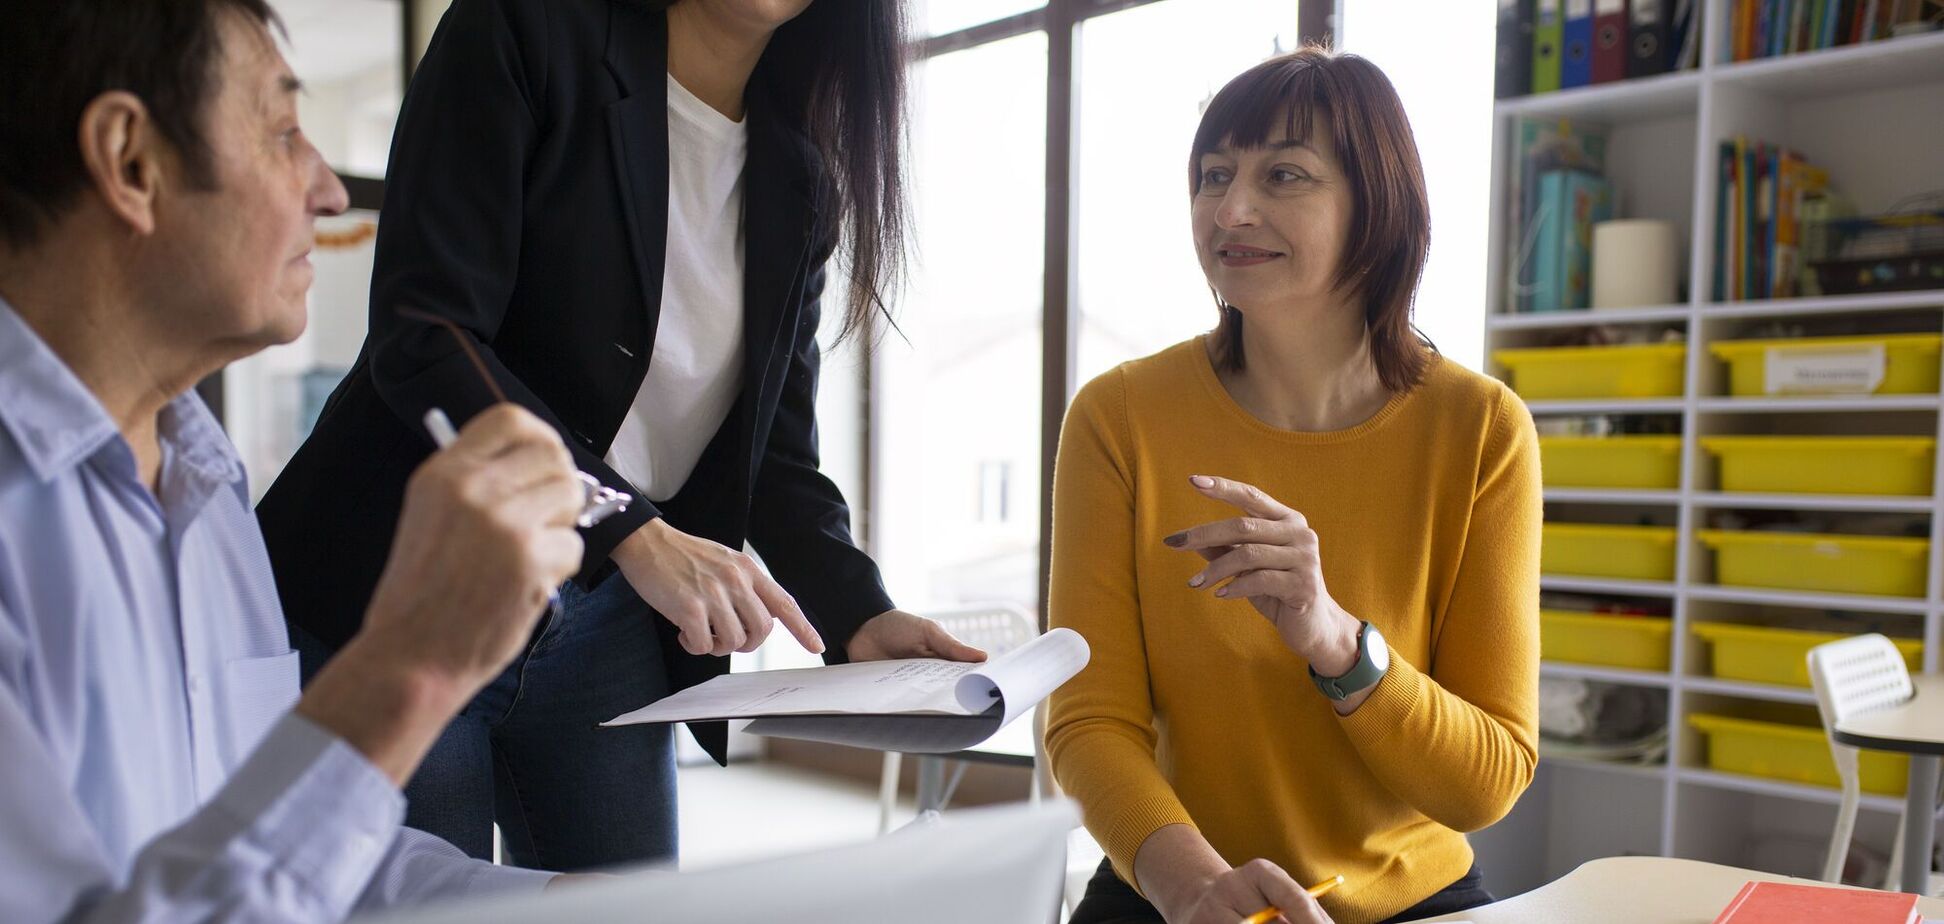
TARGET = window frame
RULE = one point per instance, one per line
(1060, 20)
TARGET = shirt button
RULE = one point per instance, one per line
(196, 684)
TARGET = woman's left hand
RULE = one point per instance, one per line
(1276, 564)
(898, 634)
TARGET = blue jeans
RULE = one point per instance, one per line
(527, 752)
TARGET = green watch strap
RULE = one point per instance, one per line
(1373, 659)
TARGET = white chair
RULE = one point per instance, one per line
(997, 629)
(1854, 676)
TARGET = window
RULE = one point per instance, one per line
(1140, 285)
(350, 56)
(960, 381)
(966, 402)
(940, 17)
(994, 485)
(1439, 56)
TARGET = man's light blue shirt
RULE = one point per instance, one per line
(150, 766)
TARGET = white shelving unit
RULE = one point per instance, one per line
(1873, 116)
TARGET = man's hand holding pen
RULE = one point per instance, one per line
(486, 534)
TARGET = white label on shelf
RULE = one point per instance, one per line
(1856, 370)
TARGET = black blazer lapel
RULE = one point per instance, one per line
(637, 57)
(779, 215)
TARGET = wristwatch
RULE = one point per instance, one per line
(1373, 659)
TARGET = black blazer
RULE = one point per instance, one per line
(527, 200)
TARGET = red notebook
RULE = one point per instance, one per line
(1787, 903)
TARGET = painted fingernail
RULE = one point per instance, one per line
(1201, 481)
(1177, 540)
(1221, 591)
(1197, 581)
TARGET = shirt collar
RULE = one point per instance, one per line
(57, 422)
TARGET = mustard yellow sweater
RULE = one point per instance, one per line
(1193, 711)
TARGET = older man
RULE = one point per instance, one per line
(156, 761)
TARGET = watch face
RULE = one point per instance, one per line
(1377, 648)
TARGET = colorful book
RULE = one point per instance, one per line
(1790, 903)
(1724, 192)
(1540, 146)
(1588, 201)
(1548, 222)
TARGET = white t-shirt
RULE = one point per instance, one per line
(695, 373)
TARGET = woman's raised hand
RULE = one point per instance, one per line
(1270, 557)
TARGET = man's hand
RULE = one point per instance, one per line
(486, 534)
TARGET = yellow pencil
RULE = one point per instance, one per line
(1272, 912)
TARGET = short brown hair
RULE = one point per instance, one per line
(56, 56)
(1390, 222)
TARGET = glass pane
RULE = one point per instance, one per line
(957, 426)
(271, 400)
(1439, 56)
(939, 17)
(348, 54)
(1140, 285)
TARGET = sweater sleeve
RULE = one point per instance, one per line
(1458, 739)
(1100, 731)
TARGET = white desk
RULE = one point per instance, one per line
(1916, 727)
(1636, 890)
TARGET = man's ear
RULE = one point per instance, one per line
(124, 154)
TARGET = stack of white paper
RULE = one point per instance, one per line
(919, 705)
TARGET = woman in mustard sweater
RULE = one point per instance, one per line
(1303, 547)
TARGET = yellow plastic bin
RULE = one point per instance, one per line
(1639, 642)
(1824, 464)
(1766, 654)
(1909, 364)
(1795, 753)
(1884, 565)
(1641, 553)
(1655, 370)
(1610, 461)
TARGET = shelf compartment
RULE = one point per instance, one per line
(1883, 64)
(1813, 601)
(1753, 784)
(1624, 461)
(1860, 503)
(1910, 361)
(1891, 566)
(1597, 550)
(1652, 370)
(1772, 655)
(1543, 320)
(1628, 100)
(1791, 753)
(1608, 640)
(1869, 465)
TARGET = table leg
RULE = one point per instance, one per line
(931, 783)
(1920, 801)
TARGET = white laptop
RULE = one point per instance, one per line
(971, 866)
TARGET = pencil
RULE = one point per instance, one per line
(1316, 891)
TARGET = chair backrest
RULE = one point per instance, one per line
(997, 628)
(1856, 675)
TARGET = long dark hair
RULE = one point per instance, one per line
(839, 67)
(1390, 225)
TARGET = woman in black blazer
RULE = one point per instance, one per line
(565, 188)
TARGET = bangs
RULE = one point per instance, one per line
(1282, 93)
